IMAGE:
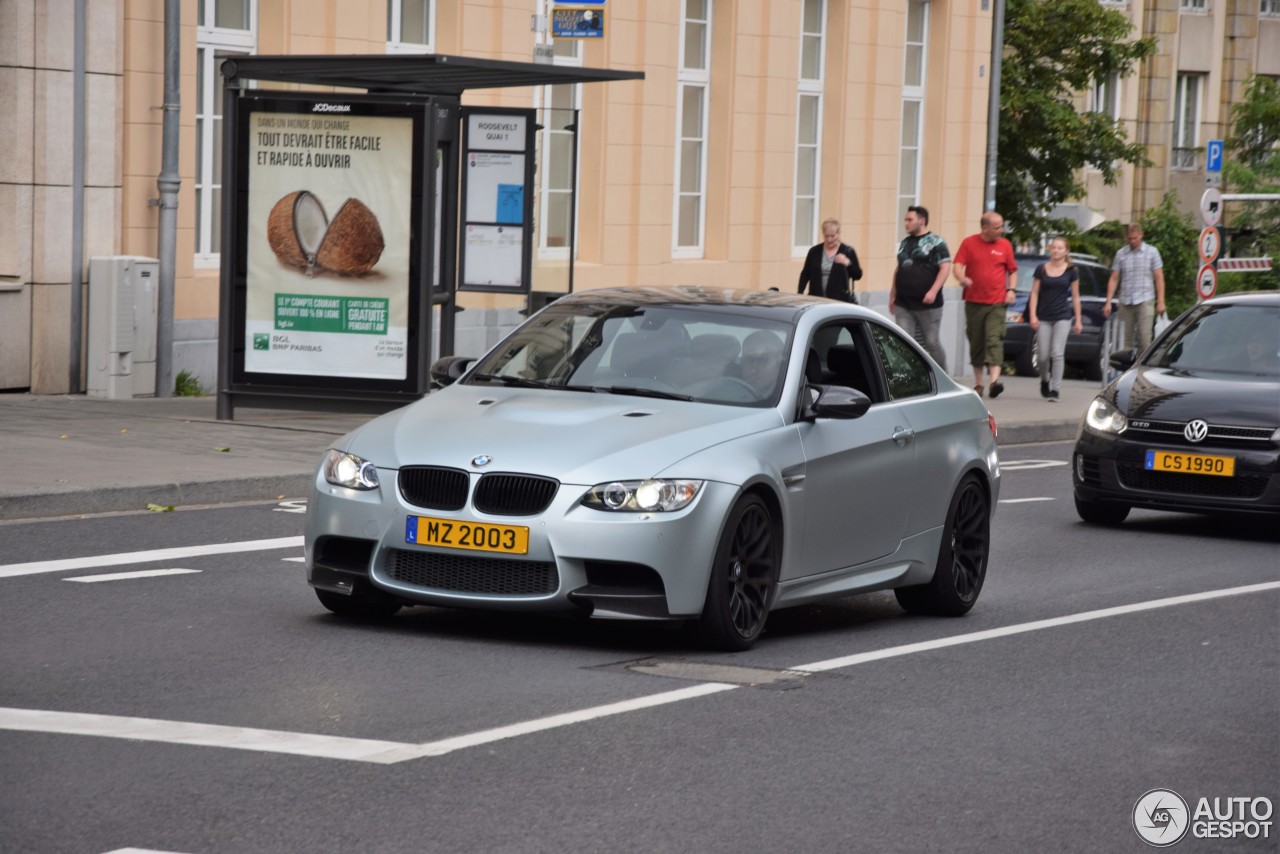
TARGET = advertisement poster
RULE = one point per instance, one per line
(329, 228)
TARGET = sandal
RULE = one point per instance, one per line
(978, 389)
(996, 388)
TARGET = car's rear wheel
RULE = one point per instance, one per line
(1099, 513)
(367, 606)
(962, 557)
(744, 577)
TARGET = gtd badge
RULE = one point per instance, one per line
(1160, 817)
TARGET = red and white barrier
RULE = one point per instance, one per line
(1237, 265)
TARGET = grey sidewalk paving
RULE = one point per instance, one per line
(72, 455)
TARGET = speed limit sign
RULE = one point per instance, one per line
(1207, 281)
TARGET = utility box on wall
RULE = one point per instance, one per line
(123, 296)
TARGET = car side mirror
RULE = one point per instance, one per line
(837, 401)
(448, 369)
(1122, 360)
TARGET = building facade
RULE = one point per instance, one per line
(756, 120)
(1180, 98)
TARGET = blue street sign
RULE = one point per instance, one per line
(1213, 156)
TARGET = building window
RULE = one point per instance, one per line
(693, 86)
(1105, 97)
(223, 28)
(560, 106)
(913, 83)
(411, 26)
(1270, 8)
(1193, 5)
(1186, 120)
(813, 23)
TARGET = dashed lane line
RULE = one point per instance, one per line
(391, 752)
(13, 570)
(124, 576)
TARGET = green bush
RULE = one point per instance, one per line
(187, 385)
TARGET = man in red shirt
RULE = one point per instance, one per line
(984, 267)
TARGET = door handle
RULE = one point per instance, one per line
(902, 435)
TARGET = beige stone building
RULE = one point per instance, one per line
(755, 120)
(1181, 98)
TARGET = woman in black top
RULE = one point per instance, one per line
(1055, 300)
(831, 267)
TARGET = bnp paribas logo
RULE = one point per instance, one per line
(261, 341)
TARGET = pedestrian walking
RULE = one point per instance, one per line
(984, 266)
(831, 267)
(1138, 273)
(1054, 309)
(915, 297)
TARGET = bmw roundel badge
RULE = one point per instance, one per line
(481, 460)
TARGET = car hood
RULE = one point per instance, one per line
(1168, 395)
(574, 437)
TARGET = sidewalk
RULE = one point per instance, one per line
(72, 455)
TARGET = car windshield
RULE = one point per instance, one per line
(1238, 339)
(669, 351)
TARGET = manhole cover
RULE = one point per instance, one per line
(694, 671)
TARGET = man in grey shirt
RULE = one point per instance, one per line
(1138, 269)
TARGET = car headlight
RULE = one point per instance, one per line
(1104, 417)
(642, 496)
(342, 469)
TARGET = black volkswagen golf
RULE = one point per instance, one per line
(1194, 425)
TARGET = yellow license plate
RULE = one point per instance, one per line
(475, 536)
(1191, 463)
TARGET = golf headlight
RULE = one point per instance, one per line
(1105, 418)
(642, 496)
(342, 469)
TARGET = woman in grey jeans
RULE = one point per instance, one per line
(1055, 300)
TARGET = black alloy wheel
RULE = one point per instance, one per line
(744, 577)
(962, 557)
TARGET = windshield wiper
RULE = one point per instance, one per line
(509, 380)
(643, 392)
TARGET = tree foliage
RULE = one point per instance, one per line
(1053, 51)
(1252, 165)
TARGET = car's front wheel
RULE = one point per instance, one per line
(1098, 513)
(962, 557)
(744, 576)
(370, 606)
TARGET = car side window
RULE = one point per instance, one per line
(906, 372)
(1093, 281)
(840, 354)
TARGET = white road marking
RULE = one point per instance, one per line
(1027, 465)
(295, 559)
(121, 576)
(1023, 500)
(140, 851)
(15, 569)
(390, 752)
(1022, 628)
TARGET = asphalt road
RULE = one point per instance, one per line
(1034, 723)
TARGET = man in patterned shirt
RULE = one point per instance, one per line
(915, 298)
(1138, 269)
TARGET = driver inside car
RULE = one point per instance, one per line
(761, 359)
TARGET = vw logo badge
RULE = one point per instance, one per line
(484, 459)
(1196, 431)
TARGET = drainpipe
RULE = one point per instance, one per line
(168, 183)
(993, 103)
(75, 353)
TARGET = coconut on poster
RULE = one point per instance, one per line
(328, 245)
